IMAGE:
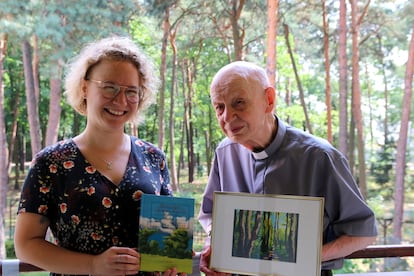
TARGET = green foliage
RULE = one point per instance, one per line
(144, 234)
(382, 164)
(176, 245)
(10, 253)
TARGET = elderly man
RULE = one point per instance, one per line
(263, 155)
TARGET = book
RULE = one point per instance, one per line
(166, 227)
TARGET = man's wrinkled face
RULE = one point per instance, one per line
(240, 104)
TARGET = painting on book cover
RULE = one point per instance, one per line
(166, 233)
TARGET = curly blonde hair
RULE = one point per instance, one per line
(111, 48)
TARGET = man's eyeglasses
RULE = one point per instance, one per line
(111, 90)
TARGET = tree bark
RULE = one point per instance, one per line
(173, 167)
(13, 132)
(299, 84)
(343, 80)
(4, 176)
(35, 65)
(238, 33)
(32, 106)
(163, 69)
(54, 111)
(356, 92)
(272, 10)
(327, 74)
(189, 123)
(402, 144)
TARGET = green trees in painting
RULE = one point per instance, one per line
(173, 245)
(265, 235)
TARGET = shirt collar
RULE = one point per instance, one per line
(275, 144)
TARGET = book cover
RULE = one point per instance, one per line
(166, 227)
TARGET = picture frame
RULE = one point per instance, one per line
(257, 234)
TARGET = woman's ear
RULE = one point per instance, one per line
(84, 88)
(271, 96)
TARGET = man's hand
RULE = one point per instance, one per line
(205, 263)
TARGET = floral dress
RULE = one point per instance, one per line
(87, 212)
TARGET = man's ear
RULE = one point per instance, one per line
(271, 96)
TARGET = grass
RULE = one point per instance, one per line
(163, 263)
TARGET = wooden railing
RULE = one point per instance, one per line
(374, 251)
(383, 251)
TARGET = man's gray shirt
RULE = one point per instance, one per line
(295, 163)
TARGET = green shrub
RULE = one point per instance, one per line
(10, 254)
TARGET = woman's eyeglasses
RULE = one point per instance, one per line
(111, 90)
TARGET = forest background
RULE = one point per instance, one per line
(342, 70)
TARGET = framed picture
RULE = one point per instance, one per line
(266, 234)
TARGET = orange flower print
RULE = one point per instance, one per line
(63, 208)
(162, 165)
(91, 191)
(90, 169)
(42, 209)
(44, 190)
(68, 164)
(75, 219)
(96, 236)
(53, 168)
(106, 202)
(139, 143)
(147, 169)
(137, 195)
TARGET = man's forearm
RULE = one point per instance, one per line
(344, 245)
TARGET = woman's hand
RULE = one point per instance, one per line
(116, 261)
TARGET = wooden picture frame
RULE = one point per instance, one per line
(266, 234)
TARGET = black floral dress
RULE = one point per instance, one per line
(87, 212)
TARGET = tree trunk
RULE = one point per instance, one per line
(272, 9)
(356, 92)
(238, 33)
(35, 65)
(189, 125)
(4, 176)
(386, 93)
(299, 84)
(208, 134)
(402, 144)
(163, 69)
(32, 106)
(13, 132)
(327, 73)
(343, 80)
(54, 111)
(173, 168)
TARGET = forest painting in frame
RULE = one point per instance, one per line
(266, 234)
